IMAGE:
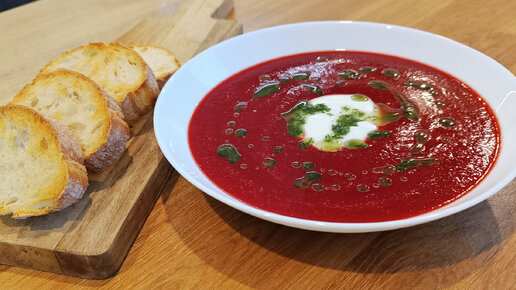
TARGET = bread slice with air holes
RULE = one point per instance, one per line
(41, 167)
(162, 61)
(79, 103)
(119, 70)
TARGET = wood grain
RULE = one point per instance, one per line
(193, 241)
(91, 238)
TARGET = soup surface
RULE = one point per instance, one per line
(344, 137)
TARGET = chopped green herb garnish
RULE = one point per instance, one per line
(296, 117)
(310, 109)
(345, 122)
(305, 143)
(328, 138)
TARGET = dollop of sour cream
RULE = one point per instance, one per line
(321, 125)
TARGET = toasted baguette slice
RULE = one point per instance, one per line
(40, 164)
(119, 70)
(79, 103)
(161, 60)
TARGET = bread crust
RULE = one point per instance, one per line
(114, 146)
(71, 154)
(108, 153)
(162, 81)
(146, 95)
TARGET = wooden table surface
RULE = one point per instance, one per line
(191, 240)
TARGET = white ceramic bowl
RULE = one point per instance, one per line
(197, 77)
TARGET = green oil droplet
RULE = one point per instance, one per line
(391, 73)
(313, 176)
(348, 74)
(231, 123)
(314, 89)
(321, 59)
(269, 162)
(377, 134)
(387, 169)
(266, 89)
(240, 106)
(284, 79)
(296, 164)
(350, 176)
(355, 143)
(408, 163)
(416, 148)
(367, 69)
(307, 165)
(440, 104)
(421, 136)
(240, 132)
(363, 188)
(359, 98)
(229, 151)
(419, 85)
(447, 122)
(385, 181)
(265, 77)
(379, 85)
(317, 187)
(305, 181)
(332, 172)
(277, 149)
(301, 76)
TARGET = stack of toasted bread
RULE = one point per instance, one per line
(73, 119)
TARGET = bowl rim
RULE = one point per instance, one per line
(315, 225)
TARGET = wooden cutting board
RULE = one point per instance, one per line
(91, 238)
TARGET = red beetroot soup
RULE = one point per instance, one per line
(439, 138)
